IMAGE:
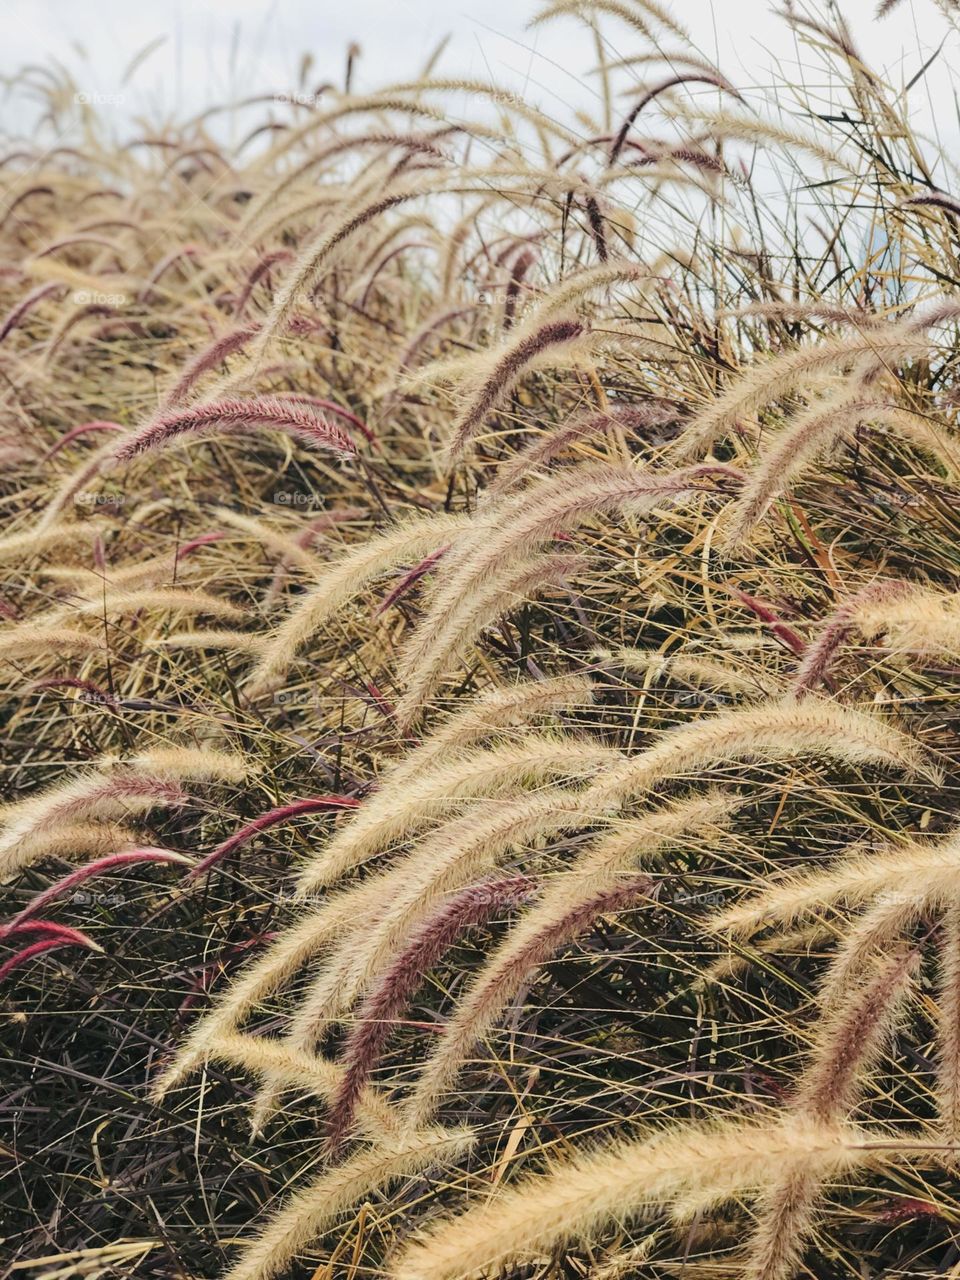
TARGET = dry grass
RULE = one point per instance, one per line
(478, 655)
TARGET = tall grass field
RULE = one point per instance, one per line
(480, 673)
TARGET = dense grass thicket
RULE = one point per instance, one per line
(480, 675)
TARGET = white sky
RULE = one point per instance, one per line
(219, 50)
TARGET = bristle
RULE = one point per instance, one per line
(339, 1189)
(225, 416)
(600, 881)
(504, 373)
(511, 533)
(340, 585)
(404, 805)
(698, 1166)
(362, 1049)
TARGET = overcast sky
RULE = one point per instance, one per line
(217, 50)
